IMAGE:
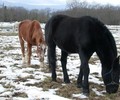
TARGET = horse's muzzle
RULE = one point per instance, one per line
(41, 59)
(112, 87)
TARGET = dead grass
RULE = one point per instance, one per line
(45, 68)
(20, 94)
(2, 76)
(8, 85)
(9, 47)
(64, 90)
(93, 60)
(3, 66)
(68, 90)
(34, 66)
(8, 34)
(23, 79)
(106, 96)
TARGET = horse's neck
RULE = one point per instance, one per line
(107, 57)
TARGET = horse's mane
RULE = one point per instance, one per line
(109, 36)
(107, 41)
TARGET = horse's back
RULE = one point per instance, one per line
(24, 28)
(29, 25)
(68, 33)
(29, 29)
(36, 25)
(71, 33)
(24, 24)
(67, 26)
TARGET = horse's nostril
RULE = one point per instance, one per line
(41, 59)
(112, 88)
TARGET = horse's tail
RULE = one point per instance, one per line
(51, 26)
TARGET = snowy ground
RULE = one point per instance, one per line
(17, 82)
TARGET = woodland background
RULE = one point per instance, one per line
(106, 13)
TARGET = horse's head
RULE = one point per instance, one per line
(41, 48)
(111, 79)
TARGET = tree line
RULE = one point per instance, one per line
(10, 14)
(106, 13)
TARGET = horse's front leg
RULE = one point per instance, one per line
(29, 47)
(64, 62)
(84, 73)
(52, 61)
(80, 77)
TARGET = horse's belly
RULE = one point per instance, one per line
(68, 47)
(66, 42)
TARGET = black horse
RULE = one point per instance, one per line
(84, 36)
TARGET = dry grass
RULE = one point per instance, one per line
(20, 94)
(9, 47)
(68, 90)
(93, 60)
(8, 86)
(8, 34)
(23, 79)
(64, 90)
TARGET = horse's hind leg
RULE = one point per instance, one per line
(29, 47)
(63, 62)
(22, 49)
(52, 60)
(79, 80)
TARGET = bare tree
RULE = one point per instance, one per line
(76, 8)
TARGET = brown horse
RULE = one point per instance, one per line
(31, 32)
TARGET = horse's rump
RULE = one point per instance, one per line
(29, 30)
(24, 29)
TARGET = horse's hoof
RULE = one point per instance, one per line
(86, 92)
(79, 85)
(50, 70)
(54, 80)
(67, 81)
(112, 88)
